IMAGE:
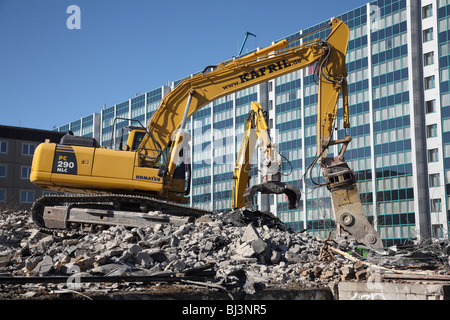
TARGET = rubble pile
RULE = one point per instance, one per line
(246, 257)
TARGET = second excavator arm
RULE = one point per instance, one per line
(257, 131)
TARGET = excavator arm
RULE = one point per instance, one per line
(257, 131)
(339, 178)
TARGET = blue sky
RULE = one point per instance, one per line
(51, 75)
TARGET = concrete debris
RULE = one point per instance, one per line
(44, 267)
(248, 255)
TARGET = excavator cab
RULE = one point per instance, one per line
(135, 138)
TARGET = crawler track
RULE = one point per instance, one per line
(113, 203)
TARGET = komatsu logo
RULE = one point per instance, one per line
(138, 177)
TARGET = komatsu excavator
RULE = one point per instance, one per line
(145, 183)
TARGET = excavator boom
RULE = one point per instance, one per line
(227, 77)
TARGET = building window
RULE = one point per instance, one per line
(432, 130)
(28, 149)
(427, 11)
(429, 106)
(427, 35)
(443, 49)
(443, 24)
(446, 125)
(26, 196)
(2, 171)
(433, 155)
(429, 82)
(447, 151)
(445, 74)
(435, 205)
(437, 231)
(3, 147)
(445, 100)
(434, 180)
(2, 195)
(25, 173)
(428, 58)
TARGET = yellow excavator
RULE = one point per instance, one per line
(145, 183)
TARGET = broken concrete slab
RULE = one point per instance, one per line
(293, 257)
(157, 255)
(275, 257)
(259, 245)
(44, 267)
(144, 259)
(32, 262)
(179, 265)
(135, 249)
(296, 249)
(245, 250)
(250, 234)
(85, 263)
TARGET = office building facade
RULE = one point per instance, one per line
(398, 64)
(17, 147)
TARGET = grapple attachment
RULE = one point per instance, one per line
(346, 202)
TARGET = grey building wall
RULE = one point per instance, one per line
(16, 155)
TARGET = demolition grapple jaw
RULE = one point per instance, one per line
(273, 187)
